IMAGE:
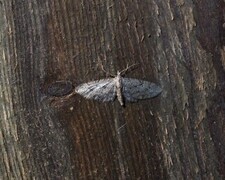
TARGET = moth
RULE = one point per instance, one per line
(124, 89)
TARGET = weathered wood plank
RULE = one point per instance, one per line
(178, 135)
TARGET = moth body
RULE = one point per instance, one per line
(118, 86)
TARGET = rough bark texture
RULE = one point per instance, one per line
(178, 44)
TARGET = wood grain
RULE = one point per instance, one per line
(178, 135)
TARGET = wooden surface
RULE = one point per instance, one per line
(177, 135)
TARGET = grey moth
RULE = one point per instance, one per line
(124, 89)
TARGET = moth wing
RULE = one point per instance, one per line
(134, 89)
(102, 90)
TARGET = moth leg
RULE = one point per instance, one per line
(106, 72)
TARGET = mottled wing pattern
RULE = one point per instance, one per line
(102, 90)
(134, 89)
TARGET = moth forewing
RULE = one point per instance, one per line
(135, 89)
(102, 90)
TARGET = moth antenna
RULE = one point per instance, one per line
(128, 68)
(121, 127)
